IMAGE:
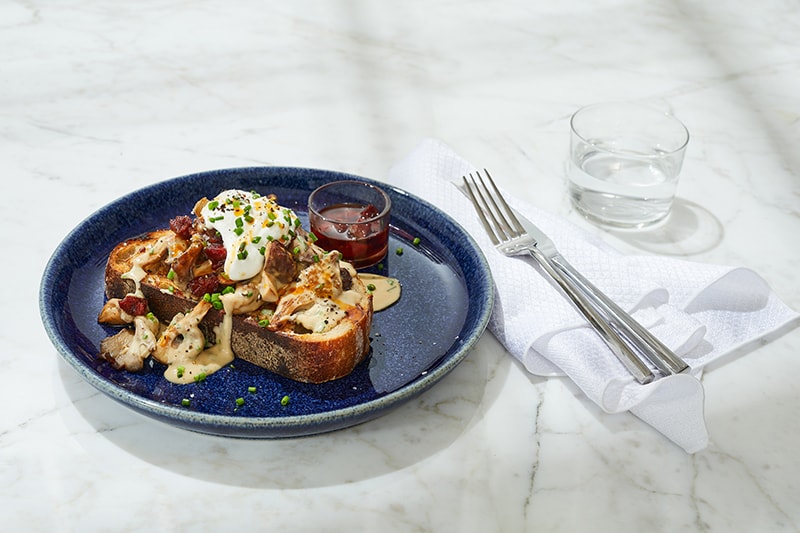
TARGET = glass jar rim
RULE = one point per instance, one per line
(357, 183)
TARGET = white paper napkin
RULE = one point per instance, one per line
(701, 311)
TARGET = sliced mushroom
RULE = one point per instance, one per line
(154, 254)
(198, 207)
(130, 347)
(113, 315)
(323, 277)
(183, 337)
(289, 305)
(182, 265)
(267, 288)
(201, 269)
(319, 281)
(114, 349)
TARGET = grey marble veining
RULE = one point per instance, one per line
(98, 99)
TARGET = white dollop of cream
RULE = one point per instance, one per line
(247, 223)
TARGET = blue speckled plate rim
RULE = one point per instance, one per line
(482, 298)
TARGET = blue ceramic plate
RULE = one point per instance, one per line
(445, 306)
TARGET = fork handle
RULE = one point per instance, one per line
(632, 362)
(648, 344)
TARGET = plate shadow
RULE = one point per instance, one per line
(405, 436)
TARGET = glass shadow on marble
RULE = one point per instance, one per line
(688, 229)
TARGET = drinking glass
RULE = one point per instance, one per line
(624, 163)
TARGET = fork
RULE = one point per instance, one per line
(628, 340)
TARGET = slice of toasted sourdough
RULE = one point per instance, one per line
(293, 353)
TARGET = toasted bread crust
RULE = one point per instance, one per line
(305, 357)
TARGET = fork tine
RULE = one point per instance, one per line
(509, 218)
(472, 189)
(498, 217)
(501, 229)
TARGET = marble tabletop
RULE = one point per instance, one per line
(98, 99)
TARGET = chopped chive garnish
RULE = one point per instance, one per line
(238, 231)
(370, 287)
(242, 255)
(251, 389)
(185, 402)
(263, 322)
(171, 274)
(256, 239)
(239, 402)
(416, 241)
(285, 400)
(200, 377)
(262, 250)
(213, 205)
(399, 251)
(229, 289)
(180, 370)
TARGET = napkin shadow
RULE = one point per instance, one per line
(689, 229)
(405, 436)
(747, 347)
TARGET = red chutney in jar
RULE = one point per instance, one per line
(361, 241)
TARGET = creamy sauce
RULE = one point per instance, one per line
(320, 317)
(347, 299)
(247, 222)
(186, 367)
(386, 290)
(136, 274)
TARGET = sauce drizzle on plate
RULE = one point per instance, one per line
(385, 291)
